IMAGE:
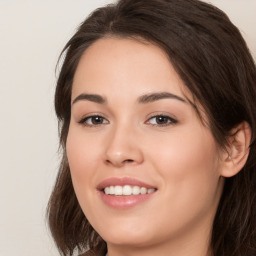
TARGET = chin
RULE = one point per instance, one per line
(127, 239)
(127, 236)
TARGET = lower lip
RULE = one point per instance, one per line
(123, 202)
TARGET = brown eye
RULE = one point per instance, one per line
(161, 120)
(97, 120)
(93, 121)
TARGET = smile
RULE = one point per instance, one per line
(127, 190)
(124, 192)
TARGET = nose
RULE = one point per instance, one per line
(123, 148)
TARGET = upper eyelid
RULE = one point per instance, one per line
(154, 114)
(92, 114)
(170, 117)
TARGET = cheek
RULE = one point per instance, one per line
(187, 151)
(189, 165)
(189, 168)
(82, 153)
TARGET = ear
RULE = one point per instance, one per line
(237, 151)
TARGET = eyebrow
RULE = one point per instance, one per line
(159, 96)
(147, 98)
(90, 97)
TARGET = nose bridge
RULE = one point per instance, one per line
(123, 145)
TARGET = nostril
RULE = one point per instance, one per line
(128, 161)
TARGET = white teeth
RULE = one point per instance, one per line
(111, 190)
(127, 190)
(143, 191)
(107, 190)
(118, 190)
(136, 190)
(151, 190)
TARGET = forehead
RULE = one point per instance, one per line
(125, 65)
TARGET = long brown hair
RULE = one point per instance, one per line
(211, 57)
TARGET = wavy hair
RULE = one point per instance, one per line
(211, 57)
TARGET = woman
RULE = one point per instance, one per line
(156, 104)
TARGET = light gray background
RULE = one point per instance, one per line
(32, 34)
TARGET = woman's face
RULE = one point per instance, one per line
(134, 134)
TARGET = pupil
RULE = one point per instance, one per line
(97, 120)
(161, 119)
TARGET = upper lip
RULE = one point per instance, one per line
(117, 181)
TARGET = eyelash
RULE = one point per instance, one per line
(168, 120)
(85, 119)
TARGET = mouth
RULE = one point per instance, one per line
(125, 192)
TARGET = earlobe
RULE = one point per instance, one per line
(237, 151)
